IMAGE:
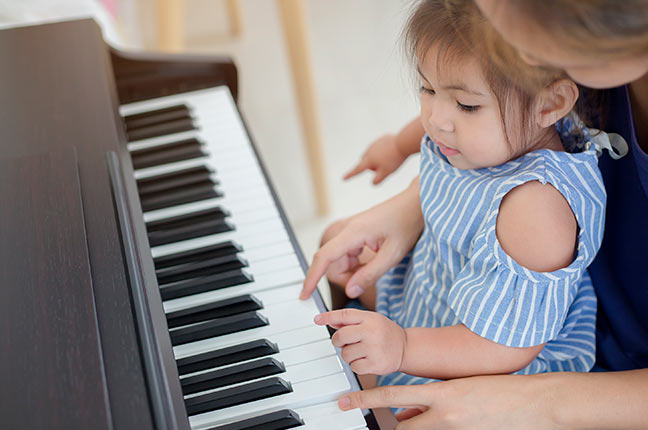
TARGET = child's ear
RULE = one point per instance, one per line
(555, 101)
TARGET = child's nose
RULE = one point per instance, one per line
(441, 122)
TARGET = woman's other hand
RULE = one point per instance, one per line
(480, 402)
(389, 229)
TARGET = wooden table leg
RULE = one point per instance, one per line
(170, 25)
(296, 39)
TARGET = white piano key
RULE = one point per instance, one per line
(294, 374)
(267, 297)
(311, 392)
(271, 265)
(328, 416)
(162, 140)
(284, 341)
(268, 281)
(265, 252)
(289, 357)
(283, 317)
(249, 236)
(260, 203)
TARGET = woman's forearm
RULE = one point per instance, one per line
(456, 352)
(599, 400)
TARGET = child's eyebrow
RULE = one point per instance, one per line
(462, 88)
(418, 69)
(456, 87)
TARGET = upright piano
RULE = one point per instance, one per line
(148, 274)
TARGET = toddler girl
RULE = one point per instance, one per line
(513, 216)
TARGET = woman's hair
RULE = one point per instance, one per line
(458, 30)
(610, 28)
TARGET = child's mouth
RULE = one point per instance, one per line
(448, 152)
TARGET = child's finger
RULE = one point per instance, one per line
(408, 413)
(361, 167)
(361, 366)
(380, 175)
(341, 317)
(351, 353)
(347, 335)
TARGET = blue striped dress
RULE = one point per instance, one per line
(458, 273)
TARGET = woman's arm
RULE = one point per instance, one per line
(614, 400)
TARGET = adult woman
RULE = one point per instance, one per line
(600, 44)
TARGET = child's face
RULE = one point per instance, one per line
(460, 113)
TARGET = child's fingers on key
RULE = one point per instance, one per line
(351, 353)
(361, 366)
(341, 317)
(347, 335)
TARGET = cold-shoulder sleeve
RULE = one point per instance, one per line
(509, 305)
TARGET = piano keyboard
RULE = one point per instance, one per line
(247, 350)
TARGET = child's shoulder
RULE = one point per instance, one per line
(537, 227)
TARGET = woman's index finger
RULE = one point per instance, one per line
(395, 396)
(332, 250)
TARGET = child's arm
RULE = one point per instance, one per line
(537, 228)
(372, 343)
(388, 152)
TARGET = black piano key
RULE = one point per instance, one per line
(278, 420)
(187, 219)
(179, 178)
(204, 283)
(217, 327)
(200, 268)
(177, 196)
(224, 356)
(206, 252)
(155, 112)
(169, 153)
(231, 375)
(218, 309)
(156, 116)
(238, 395)
(155, 130)
(199, 229)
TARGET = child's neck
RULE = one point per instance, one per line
(547, 138)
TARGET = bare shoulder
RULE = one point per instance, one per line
(537, 227)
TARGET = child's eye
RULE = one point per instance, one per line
(467, 108)
(427, 90)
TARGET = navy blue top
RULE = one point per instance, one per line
(620, 270)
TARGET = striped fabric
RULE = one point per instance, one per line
(458, 274)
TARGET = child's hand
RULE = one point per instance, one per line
(383, 157)
(370, 342)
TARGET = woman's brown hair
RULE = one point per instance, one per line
(610, 28)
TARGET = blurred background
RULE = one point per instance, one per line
(362, 84)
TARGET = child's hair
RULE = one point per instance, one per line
(459, 30)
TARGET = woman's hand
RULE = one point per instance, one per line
(383, 157)
(370, 342)
(481, 402)
(389, 229)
